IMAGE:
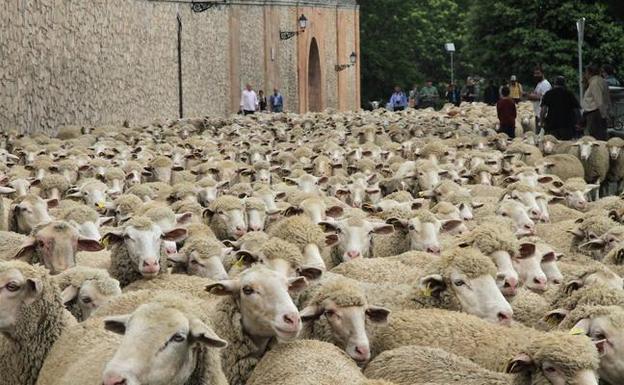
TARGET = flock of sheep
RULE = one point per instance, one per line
(360, 248)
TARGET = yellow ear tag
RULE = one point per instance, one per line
(426, 291)
(100, 205)
(577, 331)
(552, 321)
(105, 242)
(239, 264)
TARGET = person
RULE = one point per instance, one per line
(490, 94)
(608, 73)
(276, 101)
(249, 101)
(560, 111)
(398, 100)
(515, 89)
(542, 86)
(453, 95)
(413, 97)
(262, 101)
(428, 95)
(506, 110)
(596, 103)
(470, 91)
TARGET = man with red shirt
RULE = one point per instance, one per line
(506, 109)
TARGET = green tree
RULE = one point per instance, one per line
(403, 43)
(505, 40)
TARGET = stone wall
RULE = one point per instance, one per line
(96, 62)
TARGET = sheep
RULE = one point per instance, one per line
(83, 218)
(595, 158)
(226, 217)
(353, 237)
(306, 235)
(543, 361)
(500, 244)
(461, 279)
(202, 257)
(470, 337)
(257, 308)
(346, 311)
(52, 244)
(136, 249)
(53, 186)
(91, 191)
(306, 362)
(26, 212)
(384, 270)
(85, 289)
(565, 166)
(31, 321)
(604, 325)
(616, 167)
(180, 349)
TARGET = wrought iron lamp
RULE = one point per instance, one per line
(303, 24)
(352, 62)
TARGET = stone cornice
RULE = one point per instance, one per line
(285, 3)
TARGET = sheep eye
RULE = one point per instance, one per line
(12, 287)
(412, 228)
(194, 262)
(247, 290)
(599, 336)
(550, 369)
(503, 214)
(459, 282)
(86, 300)
(330, 313)
(178, 338)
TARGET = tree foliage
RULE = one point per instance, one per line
(403, 40)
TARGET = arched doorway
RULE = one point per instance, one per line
(315, 98)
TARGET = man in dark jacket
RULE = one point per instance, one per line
(560, 112)
(490, 95)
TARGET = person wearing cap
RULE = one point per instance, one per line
(507, 113)
(560, 112)
(515, 89)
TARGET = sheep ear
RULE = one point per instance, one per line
(378, 315)
(451, 224)
(112, 237)
(184, 218)
(383, 229)
(520, 363)
(34, 289)
(555, 317)
(178, 258)
(331, 239)
(334, 212)
(207, 213)
(573, 285)
(246, 257)
(201, 333)
(222, 288)
(311, 313)
(527, 249)
(52, 203)
(105, 220)
(175, 235)
(594, 244)
(297, 284)
(27, 247)
(310, 273)
(68, 294)
(117, 324)
(328, 227)
(6, 190)
(86, 244)
(576, 232)
(581, 327)
(398, 224)
(432, 285)
(291, 211)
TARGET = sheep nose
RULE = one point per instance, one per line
(114, 379)
(255, 228)
(353, 254)
(535, 214)
(363, 353)
(433, 249)
(504, 317)
(150, 265)
(511, 282)
(539, 283)
(291, 319)
(556, 281)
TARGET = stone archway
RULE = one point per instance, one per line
(315, 96)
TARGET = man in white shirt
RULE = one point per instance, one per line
(249, 101)
(541, 88)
